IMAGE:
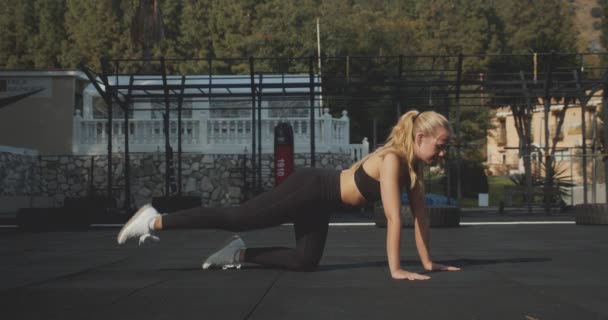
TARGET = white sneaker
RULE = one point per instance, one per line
(139, 226)
(228, 256)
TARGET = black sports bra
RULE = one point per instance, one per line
(368, 186)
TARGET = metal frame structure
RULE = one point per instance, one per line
(457, 81)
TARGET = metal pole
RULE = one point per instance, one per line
(180, 101)
(105, 70)
(583, 102)
(548, 159)
(374, 133)
(571, 175)
(259, 186)
(320, 68)
(593, 159)
(399, 78)
(312, 110)
(127, 204)
(584, 148)
(605, 118)
(253, 141)
(526, 126)
(168, 152)
(458, 157)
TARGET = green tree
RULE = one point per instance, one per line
(195, 39)
(537, 26)
(49, 34)
(18, 23)
(285, 29)
(604, 26)
(93, 31)
(169, 45)
(231, 30)
(446, 27)
(124, 41)
(6, 37)
(337, 34)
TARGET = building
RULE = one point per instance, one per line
(37, 109)
(503, 156)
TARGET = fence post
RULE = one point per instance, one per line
(76, 132)
(327, 131)
(365, 148)
(605, 118)
(312, 87)
(346, 119)
(203, 129)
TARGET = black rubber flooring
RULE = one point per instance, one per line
(552, 271)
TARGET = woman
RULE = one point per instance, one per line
(308, 196)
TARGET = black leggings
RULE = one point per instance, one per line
(306, 198)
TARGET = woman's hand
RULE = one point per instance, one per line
(439, 267)
(401, 274)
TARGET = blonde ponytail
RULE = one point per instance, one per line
(401, 141)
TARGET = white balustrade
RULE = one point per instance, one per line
(358, 151)
(212, 135)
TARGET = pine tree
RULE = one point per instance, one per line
(453, 27)
(604, 37)
(18, 22)
(123, 43)
(169, 45)
(93, 31)
(50, 33)
(231, 29)
(6, 36)
(195, 39)
(285, 29)
(538, 26)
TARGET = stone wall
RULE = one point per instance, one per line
(220, 180)
(17, 171)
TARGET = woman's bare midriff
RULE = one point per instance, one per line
(348, 189)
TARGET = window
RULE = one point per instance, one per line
(230, 109)
(158, 109)
(502, 132)
(575, 128)
(78, 102)
(3, 86)
(100, 110)
(288, 109)
(562, 155)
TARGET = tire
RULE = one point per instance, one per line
(439, 216)
(96, 208)
(175, 203)
(407, 218)
(379, 217)
(49, 219)
(591, 214)
(444, 216)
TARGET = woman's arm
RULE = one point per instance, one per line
(421, 231)
(421, 225)
(391, 200)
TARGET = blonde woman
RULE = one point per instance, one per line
(308, 197)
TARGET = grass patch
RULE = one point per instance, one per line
(469, 203)
(496, 185)
(496, 192)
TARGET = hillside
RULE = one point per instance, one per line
(589, 36)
